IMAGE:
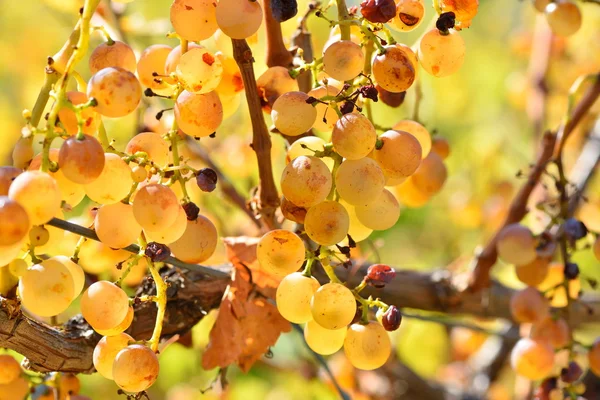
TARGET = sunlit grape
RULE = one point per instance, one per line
(68, 118)
(174, 56)
(312, 143)
(122, 327)
(112, 54)
(357, 230)
(441, 146)
(198, 114)
(14, 222)
(326, 115)
(38, 193)
(135, 368)
(114, 182)
(532, 359)
(172, 233)
(106, 351)
(197, 243)
(293, 296)
(194, 20)
(327, 223)
(152, 144)
(280, 252)
(274, 82)
(441, 55)
(7, 176)
(400, 154)
(367, 346)
(116, 225)
(343, 60)
(553, 284)
(16, 390)
(554, 331)
(323, 341)
(38, 236)
(292, 115)
(239, 19)
(155, 207)
(564, 17)
(419, 132)
(22, 153)
(333, 306)
(516, 245)
(528, 305)
(104, 305)
(306, 181)
(231, 80)
(46, 289)
(10, 369)
(76, 273)
(431, 174)
(359, 181)
(199, 70)
(353, 136)
(533, 273)
(409, 195)
(393, 70)
(409, 14)
(152, 61)
(81, 160)
(380, 214)
(116, 90)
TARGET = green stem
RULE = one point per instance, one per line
(342, 16)
(161, 304)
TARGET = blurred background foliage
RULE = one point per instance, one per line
(481, 111)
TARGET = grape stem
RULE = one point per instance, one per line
(161, 303)
(342, 16)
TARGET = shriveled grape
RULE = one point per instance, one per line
(409, 15)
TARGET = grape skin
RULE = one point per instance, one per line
(394, 70)
(441, 147)
(359, 181)
(367, 346)
(155, 207)
(194, 20)
(114, 182)
(122, 327)
(274, 82)
(441, 55)
(135, 368)
(296, 150)
(380, 214)
(152, 144)
(564, 17)
(104, 305)
(409, 15)
(231, 82)
(516, 245)
(533, 273)
(172, 233)
(327, 223)
(198, 114)
(343, 60)
(39, 195)
(280, 252)
(293, 297)
(16, 390)
(333, 306)
(7, 176)
(199, 70)
(353, 136)
(239, 19)
(532, 359)
(431, 174)
(116, 54)
(76, 273)
(117, 91)
(528, 305)
(174, 56)
(358, 231)
(197, 243)
(292, 115)
(324, 110)
(106, 351)
(410, 196)
(22, 153)
(14, 222)
(116, 225)
(81, 161)
(554, 331)
(71, 193)
(323, 341)
(10, 369)
(46, 289)
(419, 132)
(400, 155)
(153, 60)
(306, 181)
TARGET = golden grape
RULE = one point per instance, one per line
(554, 331)
(359, 181)
(199, 70)
(198, 114)
(343, 60)
(380, 214)
(409, 15)
(532, 359)
(14, 222)
(68, 118)
(306, 181)
(393, 70)
(333, 306)
(135, 368)
(400, 155)
(529, 305)
(81, 160)
(114, 182)
(323, 341)
(516, 245)
(10, 369)
(115, 54)
(419, 132)
(194, 20)
(564, 17)
(117, 91)
(116, 225)
(197, 243)
(106, 351)
(353, 136)
(327, 223)
(38, 193)
(280, 252)
(441, 55)
(293, 297)
(367, 346)
(292, 115)
(153, 145)
(104, 305)
(46, 289)
(153, 60)
(239, 19)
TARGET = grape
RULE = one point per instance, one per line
(393, 100)
(38, 193)
(96, 257)
(306, 181)
(367, 346)
(564, 17)
(533, 273)
(81, 161)
(379, 275)
(123, 325)
(333, 306)
(466, 342)
(400, 154)
(38, 236)
(8, 175)
(441, 146)
(198, 114)
(555, 277)
(343, 60)
(280, 252)
(115, 54)
(594, 357)
(409, 195)
(326, 115)
(155, 207)
(239, 19)
(293, 296)
(17, 267)
(391, 319)
(327, 223)
(16, 390)
(106, 351)
(312, 143)
(153, 60)
(199, 70)
(323, 341)
(172, 233)
(174, 56)
(69, 386)
(152, 144)
(71, 193)
(197, 243)
(135, 368)
(231, 81)
(14, 222)
(528, 305)
(409, 15)
(10, 369)
(359, 181)
(419, 132)
(22, 153)
(532, 359)
(104, 305)
(554, 331)
(393, 70)
(540, 5)
(292, 115)
(113, 184)
(139, 174)
(230, 104)
(116, 225)
(76, 273)
(194, 20)
(357, 230)
(68, 118)
(516, 245)
(274, 82)
(431, 174)
(441, 55)
(380, 214)
(378, 10)
(55, 238)
(353, 136)
(46, 289)
(117, 91)
(9, 253)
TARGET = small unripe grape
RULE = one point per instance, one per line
(117, 91)
(10, 369)
(292, 115)
(306, 181)
(274, 82)
(359, 181)
(554, 331)
(198, 114)
(106, 351)
(68, 118)
(239, 19)
(115, 54)
(323, 341)
(38, 236)
(409, 14)
(194, 20)
(528, 305)
(394, 71)
(76, 273)
(324, 111)
(114, 182)
(564, 17)
(81, 161)
(516, 245)
(400, 154)
(14, 222)
(126, 323)
(7, 176)
(343, 60)
(172, 233)
(327, 223)
(155, 207)
(419, 132)
(353, 136)
(199, 70)
(532, 359)
(293, 297)
(431, 174)
(38, 193)
(197, 243)
(280, 252)
(441, 146)
(22, 153)
(152, 144)
(152, 61)
(135, 368)
(333, 306)
(116, 225)
(380, 214)
(534, 273)
(441, 55)
(46, 289)
(104, 305)
(139, 174)
(367, 346)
